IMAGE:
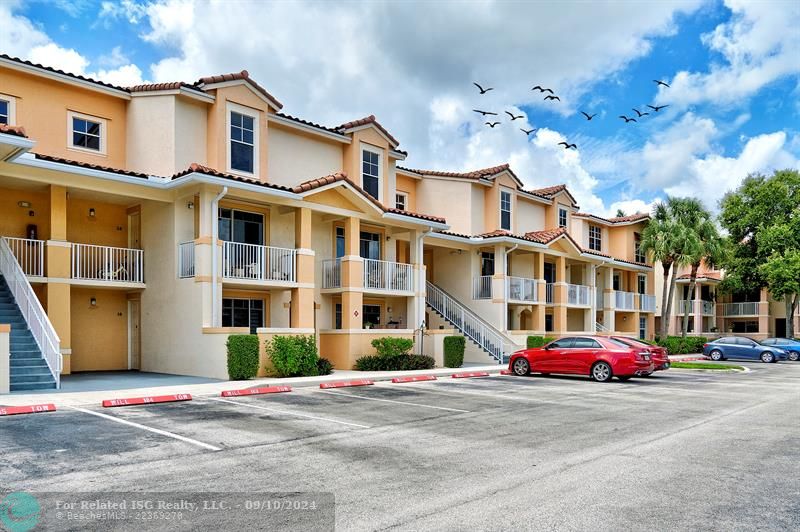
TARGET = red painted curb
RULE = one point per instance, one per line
(346, 384)
(470, 374)
(28, 409)
(256, 391)
(415, 379)
(133, 401)
(506, 372)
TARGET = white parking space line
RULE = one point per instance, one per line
(287, 412)
(149, 429)
(395, 402)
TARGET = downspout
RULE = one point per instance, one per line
(214, 240)
(505, 288)
(421, 288)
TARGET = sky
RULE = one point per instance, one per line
(733, 69)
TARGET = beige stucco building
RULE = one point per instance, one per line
(143, 225)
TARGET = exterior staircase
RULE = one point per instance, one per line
(473, 327)
(29, 370)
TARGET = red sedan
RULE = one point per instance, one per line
(658, 354)
(599, 357)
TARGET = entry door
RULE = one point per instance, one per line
(427, 259)
(135, 231)
(780, 327)
(134, 335)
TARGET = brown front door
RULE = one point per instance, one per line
(427, 260)
(135, 334)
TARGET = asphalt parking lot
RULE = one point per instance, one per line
(680, 450)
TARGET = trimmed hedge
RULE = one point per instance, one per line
(242, 356)
(294, 356)
(538, 341)
(394, 362)
(454, 347)
(324, 366)
(677, 345)
(388, 346)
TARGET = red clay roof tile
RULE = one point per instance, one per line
(473, 174)
(365, 121)
(80, 164)
(234, 76)
(17, 131)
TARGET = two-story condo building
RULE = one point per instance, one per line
(143, 225)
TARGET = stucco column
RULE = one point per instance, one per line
(609, 315)
(560, 297)
(763, 312)
(352, 277)
(302, 303)
(590, 315)
(541, 292)
(415, 305)
(203, 256)
(698, 309)
(59, 272)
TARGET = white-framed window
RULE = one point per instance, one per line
(86, 132)
(240, 312)
(562, 217)
(638, 254)
(401, 201)
(641, 284)
(242, 125)
(505, 210)
(371, 172)
(595, 238)
(8, 106)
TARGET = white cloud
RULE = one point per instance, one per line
(759, 45)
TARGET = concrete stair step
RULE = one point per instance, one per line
(30, 373)
(32, 385)
(28, 362)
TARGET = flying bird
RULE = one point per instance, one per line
(588, 116)
(626, 119)
(484, 113)
(639, 113)
(513, 117)
(567, 145)
(527, 131)
(659, 82)
(657, 108)
(483, 91)
(551, 97)
(541, 89)
(492, 124)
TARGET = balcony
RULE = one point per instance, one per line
(388, 276)
(685, 307)
(29, 254)
(647, 303)
(482, 287)
(252, 262)
(624, 300)
(732, 310)
(578, 295)
(549, 289)
(332, 273)
(109, 264)
(522, 290)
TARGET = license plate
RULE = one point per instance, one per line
(646, 357)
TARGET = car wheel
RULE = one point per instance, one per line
(521, 367)
(716, 355)
(601, 372)
(767, 357)
(794, 356)
(624, 378)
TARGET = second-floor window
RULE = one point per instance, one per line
(562, 217)
(242, 142)
(638, 254)
(5, 112)
(595, 238)
(401, 201)
(87, 133)
(371, 173)
(505, 210)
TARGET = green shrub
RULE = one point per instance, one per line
(677, 345)
(538, 341)
(454, 351)
(388, 346)
(293, 356)
(324, 366)
(394, 362)
(242, 356)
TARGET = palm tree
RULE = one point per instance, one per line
(708, 250)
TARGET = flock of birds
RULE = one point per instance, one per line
(553, 97)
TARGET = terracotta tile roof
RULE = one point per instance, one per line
(365, 121)
(17, 131)
(548, 192)
(310, 124)
(167, 86)
(57, 71)
(80, 164)
(201, 169)
(473, 174)
(342, 176)
(616, 219)
(243, 75)
(546, 236)
(714, 275)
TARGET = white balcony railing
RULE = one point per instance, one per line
(522, 289)
(386, 275)
(106, 263)
(706, 307)
(623, 300)
(258, 263)
(29, 254)
(749, 308)
(332, 273)
(647, 303)
(482, 287)
(549, 288)
(578, 294)
(186, 259)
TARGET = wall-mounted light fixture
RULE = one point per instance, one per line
(92, 212)
(31, 213)
(93, 301)
(190, 205)
(24, 204)
(389, 310)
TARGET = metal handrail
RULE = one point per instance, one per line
(29, 254)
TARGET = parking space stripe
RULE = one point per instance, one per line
(149, 429)
(396, 402)
(288, 412)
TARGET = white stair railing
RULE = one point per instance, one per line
(470, 324)
(599, 327)
(39, 324)
(29, 254)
